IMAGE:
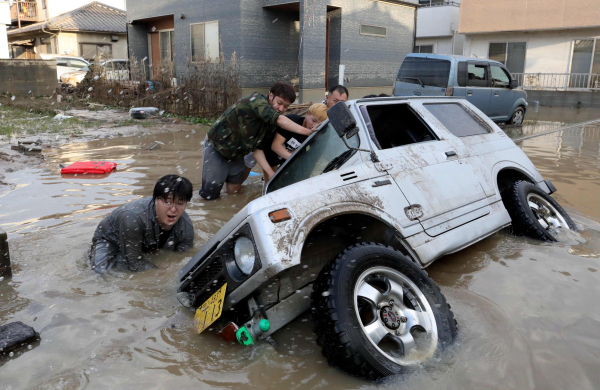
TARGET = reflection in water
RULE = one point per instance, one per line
(528, 311)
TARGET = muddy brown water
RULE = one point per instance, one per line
(528, 312)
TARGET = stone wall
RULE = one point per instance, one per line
(28, 77)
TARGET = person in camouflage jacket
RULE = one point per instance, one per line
(240, 130)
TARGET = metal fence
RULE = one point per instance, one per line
(559, 81)
(436, 3)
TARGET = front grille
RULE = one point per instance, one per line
(207, 277)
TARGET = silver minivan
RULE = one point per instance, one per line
(487, 84)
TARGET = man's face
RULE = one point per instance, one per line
(168, 211)
(310, 122)
(335, 97)
(278, 103)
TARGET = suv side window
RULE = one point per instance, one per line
(477, 75)
(78, 64)
(61, 62)
(457, 119)
(395, 125)
(500, 78)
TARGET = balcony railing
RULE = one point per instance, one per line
(437, 3)
(559, 81)
(24, 11)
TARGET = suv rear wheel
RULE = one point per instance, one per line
(376, 311)
(534, 213)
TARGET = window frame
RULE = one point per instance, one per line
(506, 43)
(420, 46)
(482, 123)
(506, 73)
(169, 30)
(372, 35)
(203, 40)
(95, 44)
(487, 73)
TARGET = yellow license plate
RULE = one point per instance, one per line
(210, 310)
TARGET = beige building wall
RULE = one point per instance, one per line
(68, 43)
(477, 16)
(547, 51)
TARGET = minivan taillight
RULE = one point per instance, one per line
(449, 91)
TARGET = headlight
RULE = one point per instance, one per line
(243, 252)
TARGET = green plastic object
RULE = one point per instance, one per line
(244, 337)
(264, 325)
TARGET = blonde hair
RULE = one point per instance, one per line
(319, 111)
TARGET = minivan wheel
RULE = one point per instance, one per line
(534, 213)
(517, 117)
(375, 311)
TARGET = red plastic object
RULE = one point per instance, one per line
(99, 167)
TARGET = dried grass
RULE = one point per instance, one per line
(205, 90)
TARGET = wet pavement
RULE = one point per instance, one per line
(528, 312)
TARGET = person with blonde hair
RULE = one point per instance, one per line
(285, 142)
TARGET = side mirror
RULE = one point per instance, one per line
(342, 119)
(514, 84)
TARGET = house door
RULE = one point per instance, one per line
(155, 56)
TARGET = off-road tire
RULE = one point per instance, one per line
(524, 222)
(338, 331)
(516, 119)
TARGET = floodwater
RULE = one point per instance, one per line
(528, 312)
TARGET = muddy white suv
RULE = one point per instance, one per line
(387, 186)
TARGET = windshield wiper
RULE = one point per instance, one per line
(338, 161)
(415, 78)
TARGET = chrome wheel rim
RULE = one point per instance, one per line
(546, 214)
(518, 118)
(395, 316)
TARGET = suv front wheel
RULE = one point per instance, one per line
(376, 311)
(517, 117)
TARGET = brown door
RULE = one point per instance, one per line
(155, 55)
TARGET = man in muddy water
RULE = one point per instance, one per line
(143, 226)
(239, 131)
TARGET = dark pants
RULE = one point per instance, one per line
(216, 170)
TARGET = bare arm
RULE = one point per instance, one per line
(277, 146)
(287, 124)
(260, 158)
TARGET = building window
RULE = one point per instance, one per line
(585, 59)
(204, 40)
(424, 49)
(167, 45)
(511, 54)
(91, 50)
(376, 31)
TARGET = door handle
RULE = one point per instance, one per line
(450, 153)
(469, 93)
(496, 93)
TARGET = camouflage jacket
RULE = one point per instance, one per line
(243, 126)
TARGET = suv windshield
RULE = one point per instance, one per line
(425, 71)
(323, 152)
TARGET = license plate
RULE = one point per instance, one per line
(210, 310)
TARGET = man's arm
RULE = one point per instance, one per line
(187, 240)
(131, 239)
(287, 124)
(260, 158)
(277, 146)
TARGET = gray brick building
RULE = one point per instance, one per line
(304, 41)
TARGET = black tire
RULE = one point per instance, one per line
(339, 328)
(517, 117)
(525, 219)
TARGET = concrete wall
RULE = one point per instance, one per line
(519, 15)
(565, 98)
(547, 51)
(437, 21)
(444, 45)
(21, 76)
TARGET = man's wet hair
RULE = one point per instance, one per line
(179, 186)
(341, 90)
(284, 91)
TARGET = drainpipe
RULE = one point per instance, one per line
(415, 32)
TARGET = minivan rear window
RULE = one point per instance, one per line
(429, 71)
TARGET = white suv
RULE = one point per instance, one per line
(66, 64)
(384, 188)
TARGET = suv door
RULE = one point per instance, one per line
(503, 97)
(440, 186)
(421, 76)
(62, 66)
(474, 84)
